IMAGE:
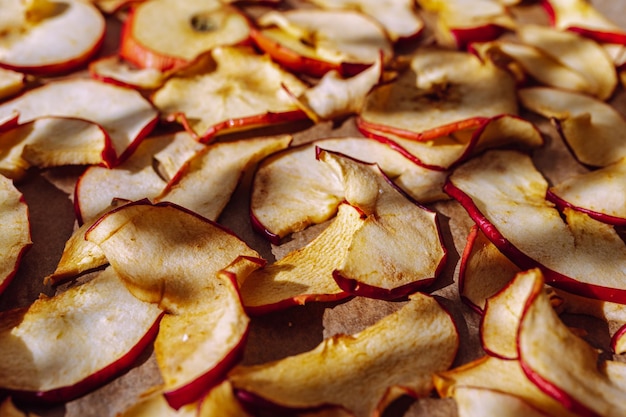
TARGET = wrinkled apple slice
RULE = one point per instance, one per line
(133, 179)
(169, 34)
(315, 41)
(243, 91)
(399, 18)
(206, 182)
(15, 237)
(49, 346)
(578, 118)
(11, 83)
(155, 405)
(381, 263)
(505, 195)
(434, 97)
(599, 193)
(561, 364)
(221, 401)
(204, 334)
(461, 22)
(582, 55)
(122, 112)
(396, 356)
(476, 402)
(48, 36)
(292, 190)
(116, 70)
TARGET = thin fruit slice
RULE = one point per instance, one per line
(11, 83)
(169, 34)
(123, 113)
(397, 355)
(48, 37)
(221, 401)
(315, 41)
(171, 257)
(62, 347)
(579, 118)
(476, 402)
(243, 90)
(116, 70)
(505, 195)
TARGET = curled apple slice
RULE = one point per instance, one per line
(181, 253)
(242, 91)
(123, 113)
(116, 70)
(505, 195)
(49, 36)
(11, 83)
(62, 347)
(314, 41)
(397, 355)
(191, 28)
(579, 117)
(599, 193)
(475, 402)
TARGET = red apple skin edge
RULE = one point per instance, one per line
(524, 262)
(96, 380)
(11, 123)
(9, 278)
(296, 301)
(601, 217)
(465, 37)
(356, 288)
(147, 129)
(621, 332)
(471, 239)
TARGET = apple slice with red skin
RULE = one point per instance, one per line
(579, 117)
(476, 402)
(115, 70)
(505, 195)
(11, 83)
(397, 356)
(600, 193)
(15, 239)
(123, 113)
(204, 333)
(315, 41)
(49, 346)
(241, 90)
(154, 404)
(291, 190)
(169, 34)
(49, 37)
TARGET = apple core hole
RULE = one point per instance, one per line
(202, 22)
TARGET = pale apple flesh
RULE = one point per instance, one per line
(115, 70)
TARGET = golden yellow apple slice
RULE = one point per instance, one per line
(11, 83)
(62, 347)
(243, 90)
(48, 37)
(476, 402)
(221, 401)
(169, 34)
(590, 127)
(397, 355)
(154, 404)
(314, 41)
(203, 335)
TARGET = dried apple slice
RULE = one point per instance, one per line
(49, 346)
(116, 70)
(15, 240)
(123, 113)
(397, 355)
(399, 18)
(292, 190)
(221, 401)
(244, 90)
(475, 402)
(208, 179)
(505, 195)
(169, 34)
(48, 37)
(561, 364)
(154, 404)
(314, 41)
(11, 83)
(599, 193)
(204, 334)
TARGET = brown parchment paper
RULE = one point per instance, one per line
(48, 195)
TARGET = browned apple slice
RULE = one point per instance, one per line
(208, 179)
(16, 239)
(599, 193)
(242, 91)
(561, 364)
(182, 253)
(475, 402)
(380, 262)
(133, 179)
(399, 18)
(505, 195)
(315, 41)
(292, 190)
(62, 347)
(116, 70)
(579, 117)
(11, 83)
(46, 37)
(169, 34)
(123, 113)
(397, 355)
